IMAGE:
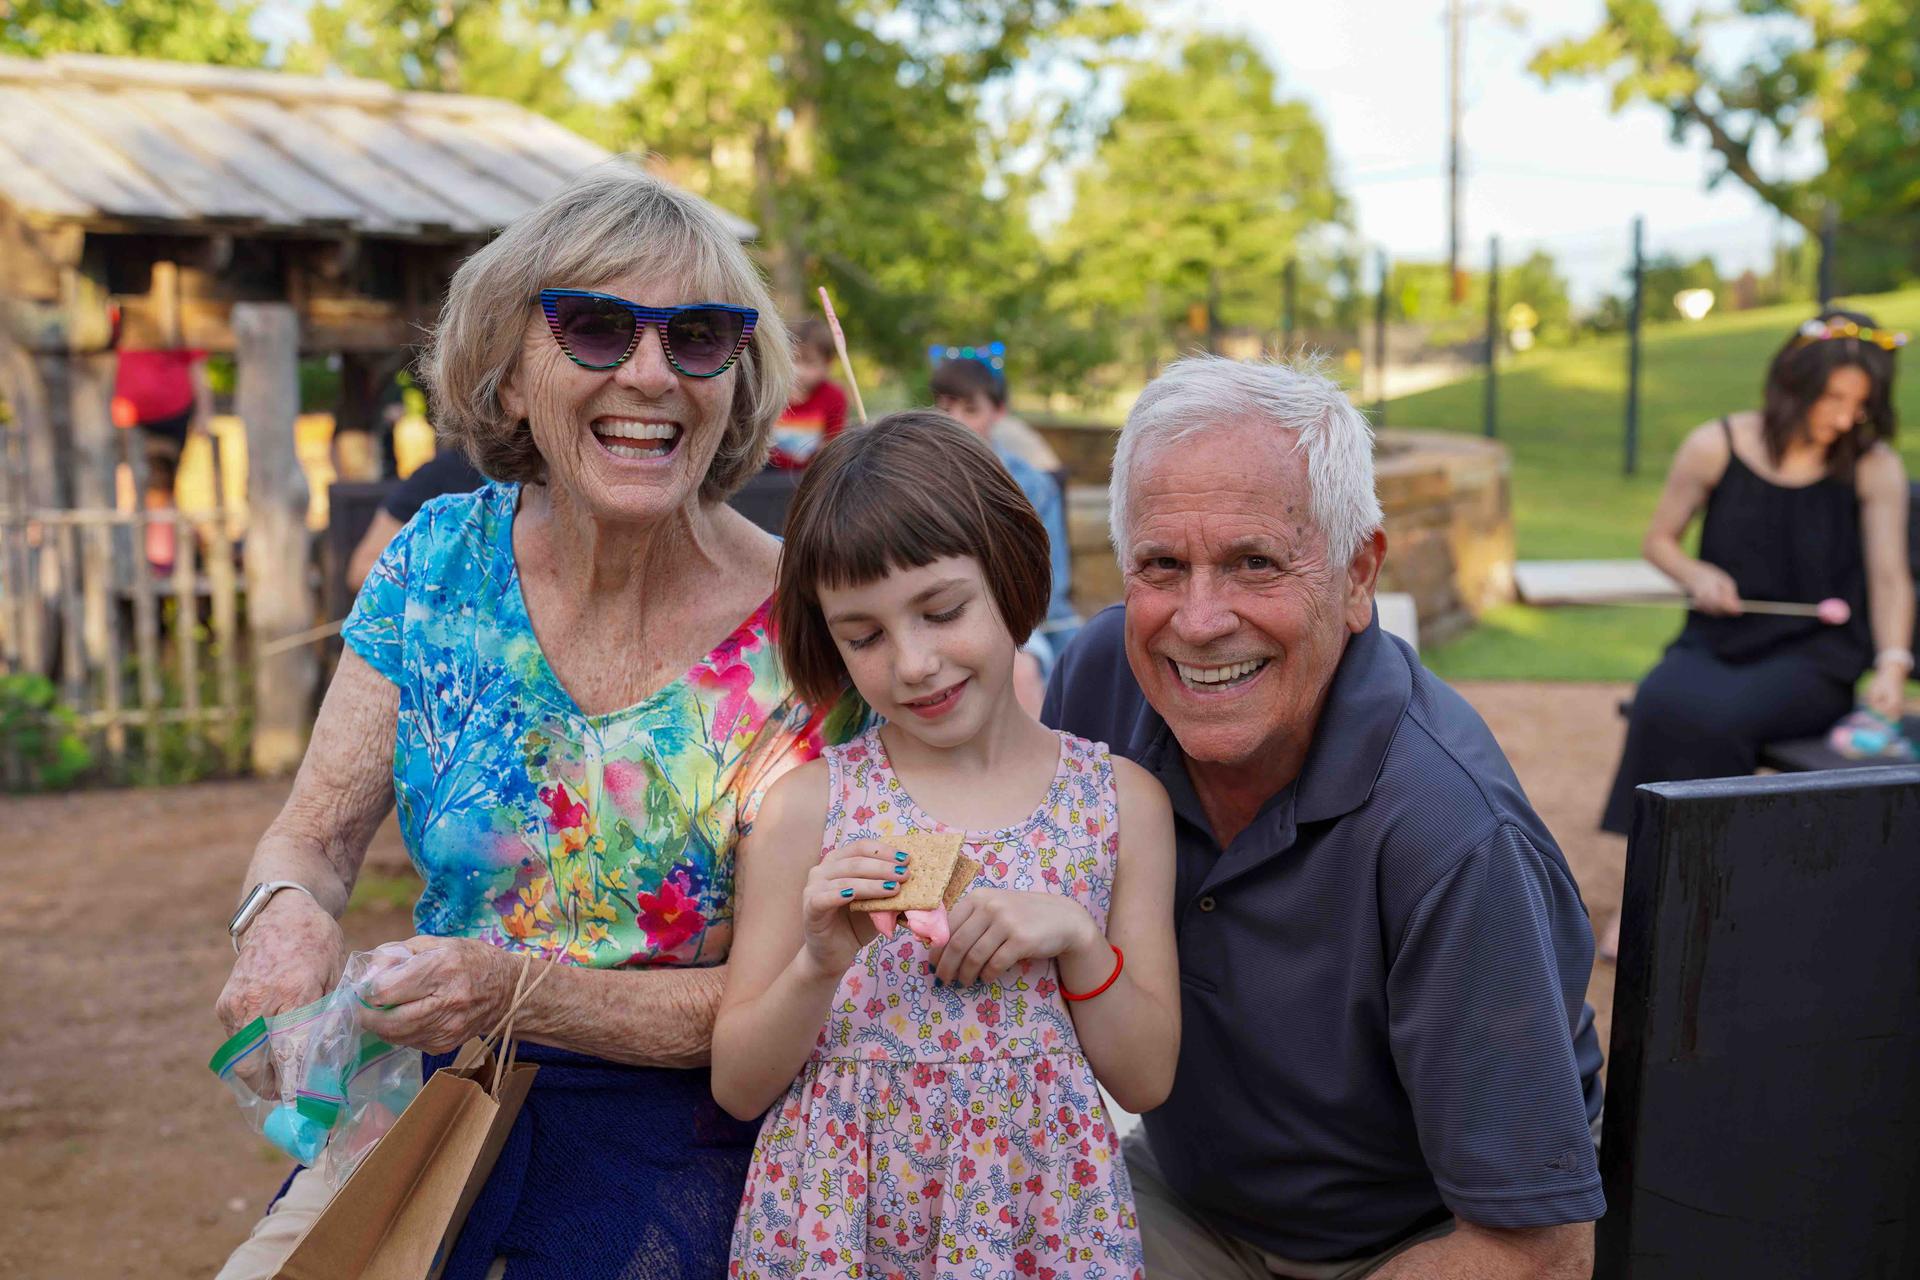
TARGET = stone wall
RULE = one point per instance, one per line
(1449, 522)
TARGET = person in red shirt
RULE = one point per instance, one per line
(162, 393)
(818, 411)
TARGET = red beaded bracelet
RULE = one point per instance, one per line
(1119, 963)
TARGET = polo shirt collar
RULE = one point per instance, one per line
(1371, 689)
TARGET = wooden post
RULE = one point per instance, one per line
(95, 457)
(34, 486)
(267, 397)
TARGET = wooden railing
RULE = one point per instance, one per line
(80, 605)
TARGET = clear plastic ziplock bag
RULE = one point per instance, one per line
(316, 1085)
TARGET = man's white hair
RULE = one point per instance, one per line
(1209, 393)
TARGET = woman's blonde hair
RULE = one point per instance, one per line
(615, 219)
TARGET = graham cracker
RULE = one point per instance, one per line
(930, 865)
(965, 869)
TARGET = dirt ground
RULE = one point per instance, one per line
(123, 1155)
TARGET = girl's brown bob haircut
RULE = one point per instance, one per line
(913, 488)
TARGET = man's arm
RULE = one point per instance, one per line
(1492, 1253)
(1485, 992)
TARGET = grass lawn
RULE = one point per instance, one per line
(1561, 413)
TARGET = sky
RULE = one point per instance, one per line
(1546, 167)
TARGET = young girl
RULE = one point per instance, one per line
(935, 1111)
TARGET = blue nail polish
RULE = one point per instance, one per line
(846, 893)
(889, 885)
(936, 982)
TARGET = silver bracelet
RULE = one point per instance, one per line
(1902, 656)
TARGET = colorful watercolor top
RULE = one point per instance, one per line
(603, 840)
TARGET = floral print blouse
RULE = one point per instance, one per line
(602, 840)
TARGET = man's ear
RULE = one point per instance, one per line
(1363, 574)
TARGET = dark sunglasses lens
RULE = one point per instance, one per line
(704, 338)
(596, 331)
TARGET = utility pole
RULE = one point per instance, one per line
(1455, 36)
(1289, 305)
(1380, 345)
(1829, 234)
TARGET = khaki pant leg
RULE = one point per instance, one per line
(1179, 1246)
(274, 1236)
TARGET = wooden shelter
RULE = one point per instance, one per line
(251, 213)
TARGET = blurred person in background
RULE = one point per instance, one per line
(969, 390)
(1804, 499)
(164, 394)
(818, 411)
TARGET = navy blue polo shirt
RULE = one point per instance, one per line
(1383, 977)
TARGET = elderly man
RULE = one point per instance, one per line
(1388, 1068)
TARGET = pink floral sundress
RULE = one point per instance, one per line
(942, 1132)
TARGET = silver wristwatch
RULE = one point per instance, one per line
(255, 902)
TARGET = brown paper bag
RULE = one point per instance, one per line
(399, 1214)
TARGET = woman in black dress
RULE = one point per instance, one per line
(1804, 500)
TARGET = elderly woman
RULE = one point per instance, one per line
(567, 682)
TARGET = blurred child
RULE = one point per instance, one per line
(934, 1106)
(818, 411)
(165, 394)
(973, 393)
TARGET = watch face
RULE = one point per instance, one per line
(248, 906)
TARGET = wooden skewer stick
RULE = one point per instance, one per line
(299, 638)
(840, 345)
(1834, 612)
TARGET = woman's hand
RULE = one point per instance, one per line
(290, 955)
(992, 930)
(1711, 590)
(1887, 691)
(865, 869)
(451, 990)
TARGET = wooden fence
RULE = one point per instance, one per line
(134, 655)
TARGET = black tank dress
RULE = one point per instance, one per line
(1728, 686)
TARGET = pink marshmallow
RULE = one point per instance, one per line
(1834, 611)
(928, 926)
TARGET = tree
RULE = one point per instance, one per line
(1422, 292)
(524, 51)
(180, 30)
(1849, 70)
(851, 132)
(1205, 183)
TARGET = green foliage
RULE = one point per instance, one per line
(1207, 177)
(521, 50)
(1422, 292)
(1847, 69)
(179, 30)
(38, 736)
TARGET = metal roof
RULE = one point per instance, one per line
(175, 147)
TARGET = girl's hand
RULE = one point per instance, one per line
(1887, 691)
(992, 930)
(1712, 590)
(451, 990)
(865, 869)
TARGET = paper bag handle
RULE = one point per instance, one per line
(508, 1047)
